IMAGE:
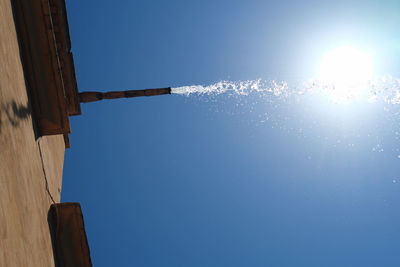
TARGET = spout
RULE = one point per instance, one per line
(85, 97)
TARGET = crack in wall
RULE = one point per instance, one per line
(44, 173)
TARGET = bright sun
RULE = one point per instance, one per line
(346, 72)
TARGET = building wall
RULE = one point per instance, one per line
(30, 166)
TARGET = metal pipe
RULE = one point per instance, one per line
(85, 97)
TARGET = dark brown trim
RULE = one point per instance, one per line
(45, 45)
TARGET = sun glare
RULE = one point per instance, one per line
(346, 72)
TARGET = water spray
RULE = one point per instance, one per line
(387, 88)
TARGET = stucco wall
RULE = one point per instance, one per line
(30, 166)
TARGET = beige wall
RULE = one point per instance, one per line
(30, 168)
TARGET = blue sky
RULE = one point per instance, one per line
(232, 180)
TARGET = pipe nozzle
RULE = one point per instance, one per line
(86, 97)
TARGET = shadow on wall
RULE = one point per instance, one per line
(13, 113)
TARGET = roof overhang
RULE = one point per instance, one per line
(43, 32)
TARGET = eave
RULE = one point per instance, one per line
(48, 64)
